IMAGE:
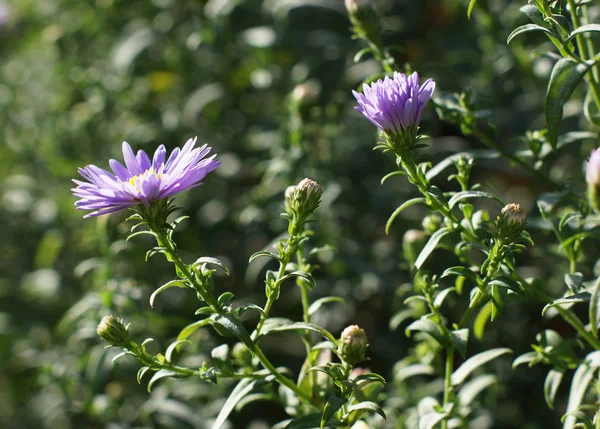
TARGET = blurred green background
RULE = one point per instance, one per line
(79, 77)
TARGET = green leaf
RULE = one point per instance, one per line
(303, 275)
(426, 326)
(264, 253)
(173, 346)
(470, 390)
(430, 246)
(579, 297)
(524, 358)
(462, 272)
(413, 371)
(143, 370)
(243, 388)
(508, 283)
(245, 307)
(191, 328)
(308, 422)
(360, 54)
(471, 364)
(224, 299)
(299, 326)
(401, 207)
(565, 76)
(230, 323)
(431, 420)
(528, 28)
(172, 283)
(466, 195)
(163, 373)
(117, 357)
(584, 29)
(441, 297)
(551, 385)
(460, 338)
(211, 261)
(481, 320)
(581, 380)
(334, 403)
(315, 306)
(471, 7)
(567, 218)
(367, 406)
(594, 304)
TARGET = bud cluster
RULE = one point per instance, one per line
(302, 200)
(353, 345)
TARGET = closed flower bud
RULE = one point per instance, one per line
(592, 177)
(304, 199)
(511, 221)
(353, 345)
(113, 331)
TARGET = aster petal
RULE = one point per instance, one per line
(143, 160)
(121, 172)
(130, 160)
(159, 157)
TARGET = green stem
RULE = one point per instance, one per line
(585, 55)
(270, 300)
(448, 381)
(589, 42)
(524, 164)
(283, 379)
(164, 241)
(569, 317)
(415, 178)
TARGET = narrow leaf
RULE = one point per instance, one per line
(172, 347)
(526, 29)
(334, 403)
(508, 283)
(474, 387)
(584, 29)
(565, 76)
(426, 326)
(471, 7)
(430, 246)
(315, 306)
(143, 370)
(172, 283)
(460, 338)
(190, 329)
(233, 325)
(163, 373)
(212, 261)
(471, 364)
(367, 406)
(579, 297)
(243, 388)
(467, 195)
(594, 304)
(399, 210)
(551, 385)
(581, 379)
(462, 272)
(299, 326)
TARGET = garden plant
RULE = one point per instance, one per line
(349, 227)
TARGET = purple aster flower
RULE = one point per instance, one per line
(142, 181)
(394, 105)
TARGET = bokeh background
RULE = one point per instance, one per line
(79, 77)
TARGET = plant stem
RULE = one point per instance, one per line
(164, 241)
(283, 379)
(270, 300)
(585, 55)
(493, 145)
(448, 381)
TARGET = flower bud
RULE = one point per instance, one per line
(511, 221)
(353, 344)
(241, 353)
(364, 18)
(432, 223)
(304, 199)
(592, 177)
(412, 243)
(113, 331)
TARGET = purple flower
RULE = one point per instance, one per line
(592, 171)
(394, 105)
(142, 181)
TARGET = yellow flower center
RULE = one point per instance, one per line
(146, 173)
